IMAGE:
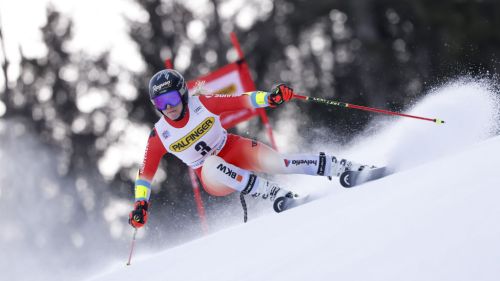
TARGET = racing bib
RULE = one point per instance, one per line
(202, 136)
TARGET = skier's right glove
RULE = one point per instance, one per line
(139, 216)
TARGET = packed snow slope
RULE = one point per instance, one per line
(436, 218)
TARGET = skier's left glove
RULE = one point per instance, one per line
(280, 94)
(139, 216)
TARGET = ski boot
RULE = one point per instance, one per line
(339, 167)
(271, 191)
(286, 202)
(282, 199)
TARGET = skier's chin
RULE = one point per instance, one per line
(173, 115)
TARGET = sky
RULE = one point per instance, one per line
(93, 27)
(100, 25)
(95, 31)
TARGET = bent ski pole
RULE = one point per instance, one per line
(365, 108)
(132, 247)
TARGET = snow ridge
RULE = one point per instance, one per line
(437, 218)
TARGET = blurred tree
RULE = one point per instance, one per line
(55, 100)
(5, 65)
(373, 53)
(383, 53)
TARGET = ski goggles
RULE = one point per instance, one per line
(172, 98)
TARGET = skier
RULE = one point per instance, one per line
(190, 129)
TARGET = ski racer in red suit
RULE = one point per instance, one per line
(190, 129)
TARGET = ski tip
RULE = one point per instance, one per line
(345, 179)
(350, 179)
(280, 204)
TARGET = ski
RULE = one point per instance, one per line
(352, 178)
(284, 203)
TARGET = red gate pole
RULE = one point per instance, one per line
(199, 202)
(194, 182)
(168, 64)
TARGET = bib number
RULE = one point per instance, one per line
(202, 148)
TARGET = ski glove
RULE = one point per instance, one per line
(139, 216)
(280, 94)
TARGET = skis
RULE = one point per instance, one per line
(353, 178)
(284, 203)
(347, 179)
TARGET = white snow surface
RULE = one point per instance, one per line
(436, 218)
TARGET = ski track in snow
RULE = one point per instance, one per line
(469, 107)
(435, 219)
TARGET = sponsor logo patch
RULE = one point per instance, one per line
(322, 164)
(228, 90)
(162, 86)
(198, 109)
(301, 162)
(223, 168)
(192, 137)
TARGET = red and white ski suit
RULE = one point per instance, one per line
(222, 161)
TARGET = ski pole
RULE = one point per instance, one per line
(349, 105)
(132, 246)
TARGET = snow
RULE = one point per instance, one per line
(436, 218)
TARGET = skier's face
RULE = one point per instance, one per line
(173, 112)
